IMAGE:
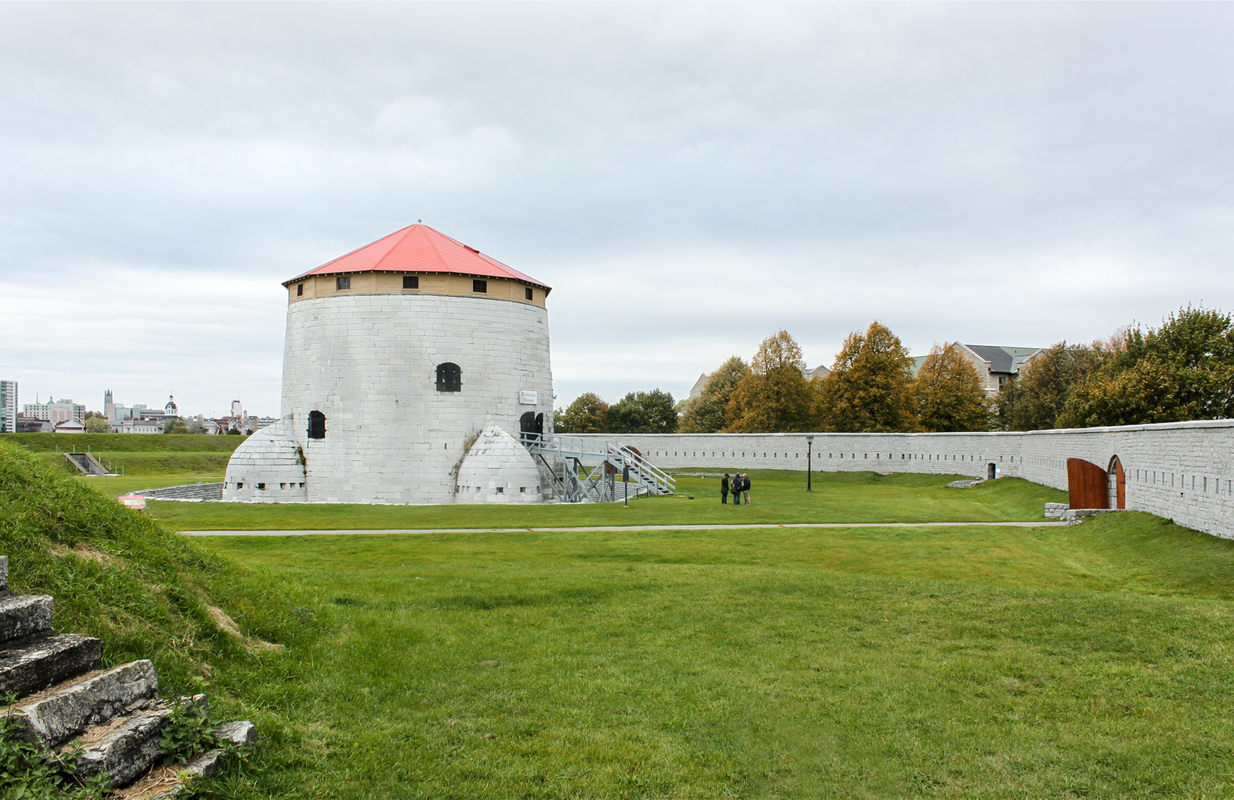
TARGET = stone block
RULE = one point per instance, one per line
(24, 615)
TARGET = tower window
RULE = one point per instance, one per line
(529, 294)
(342, 283)
(479, 286)
(411, 281)
(299, 290)
(317, 425)
(449, 377)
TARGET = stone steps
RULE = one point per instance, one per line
(99, 720)
(24, 615)
(125, 748)
(55, 715)
(32, 664)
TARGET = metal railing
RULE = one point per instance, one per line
(585, 470)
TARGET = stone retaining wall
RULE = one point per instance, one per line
(1182, 471)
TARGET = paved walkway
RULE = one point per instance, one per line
(634, 528)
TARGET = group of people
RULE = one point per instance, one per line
(737, 485)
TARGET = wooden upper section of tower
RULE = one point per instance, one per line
(417, 259)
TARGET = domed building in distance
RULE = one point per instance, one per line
(398, 356)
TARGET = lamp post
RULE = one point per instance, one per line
(809, 463)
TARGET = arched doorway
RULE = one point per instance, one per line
(1117, 482)
(531, 423)
(991, 471)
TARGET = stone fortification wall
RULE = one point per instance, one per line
(1183, 471)
(369, 364)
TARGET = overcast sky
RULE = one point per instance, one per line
(689, 178)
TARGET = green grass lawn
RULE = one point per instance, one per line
(114, 487)
(1092, 661)
(778, 496)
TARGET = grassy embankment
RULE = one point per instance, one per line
(145, 591)
(932, 662)
(171, 459)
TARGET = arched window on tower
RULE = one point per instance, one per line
(317, 425)
(449, 377)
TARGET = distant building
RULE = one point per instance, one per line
(56, 412)
(33, 425)
(70, 426)
(118, 414)
(138, 426)
(237, 409)
(8, 406)
(996, 365)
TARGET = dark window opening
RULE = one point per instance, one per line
(531, 295)
(411, 281)
(449, 377)
(479, 286)
(317, 425)
(342, 283)
(300, 290)
(261, 486)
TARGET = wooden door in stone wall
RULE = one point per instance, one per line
(1087, 485)
(1117, 481)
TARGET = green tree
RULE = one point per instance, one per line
(175, 426)
(774, 396)
(97, 425)
(587, 414)
(948, 393)
(870, 386)
(1183, 370)
(1034, 400)
(706, 413)
(643, 412)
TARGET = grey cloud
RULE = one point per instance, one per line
(1010, 173)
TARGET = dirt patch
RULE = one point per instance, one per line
(228, 625)
(87, 552)
(156, 782)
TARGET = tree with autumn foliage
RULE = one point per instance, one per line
(774, 396)
(870, 386)
(948, 393)
(705, 413)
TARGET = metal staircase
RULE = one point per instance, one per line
(87, 464)
(585, 470)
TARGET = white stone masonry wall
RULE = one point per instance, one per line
(368, 362)
(1182, 471)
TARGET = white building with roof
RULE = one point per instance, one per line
(996, 365)
(396, 357)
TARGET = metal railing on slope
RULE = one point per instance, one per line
(585, 469)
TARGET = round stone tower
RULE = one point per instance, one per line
(396, 356)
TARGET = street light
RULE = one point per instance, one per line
(809, 463)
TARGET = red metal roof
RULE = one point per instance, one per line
(419, 248)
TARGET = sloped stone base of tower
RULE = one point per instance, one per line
(497, 469)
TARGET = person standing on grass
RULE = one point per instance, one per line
(734, 488)
(724, 490)
(745, 487)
